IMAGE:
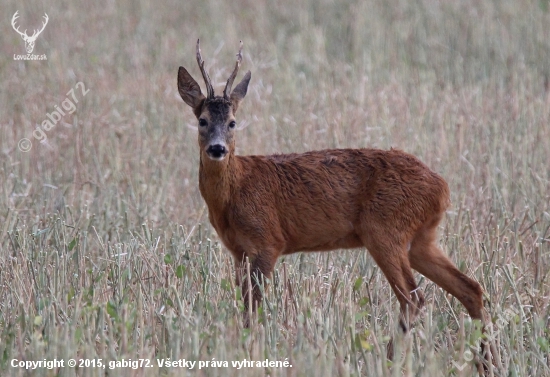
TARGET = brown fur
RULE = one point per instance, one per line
(263, 207)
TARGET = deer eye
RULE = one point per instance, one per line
(203, 122)
(232, 124)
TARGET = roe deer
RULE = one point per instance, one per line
(263, 207)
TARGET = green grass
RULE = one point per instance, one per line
(105, 246)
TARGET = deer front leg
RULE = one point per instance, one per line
(251, 277)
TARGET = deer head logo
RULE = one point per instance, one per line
(29, 40)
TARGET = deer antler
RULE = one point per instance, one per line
(227, 90)
(209, 89)
(16, 28)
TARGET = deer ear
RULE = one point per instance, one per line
(239, 92)
(190, 91)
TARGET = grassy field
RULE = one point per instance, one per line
(106, 251)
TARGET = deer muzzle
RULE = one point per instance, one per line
(216, 152)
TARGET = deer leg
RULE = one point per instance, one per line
(428, 259)
(251, 284)
(392, 260)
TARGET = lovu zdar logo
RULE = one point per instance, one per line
(29, 40)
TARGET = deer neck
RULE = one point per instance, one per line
(217, 180)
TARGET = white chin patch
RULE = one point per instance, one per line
(214, 158)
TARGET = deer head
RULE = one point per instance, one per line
(216, 114)
(29, 40)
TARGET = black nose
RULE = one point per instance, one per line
(216, 151)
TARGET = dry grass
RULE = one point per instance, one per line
(106, 250)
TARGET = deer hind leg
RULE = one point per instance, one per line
(428, 259)
(392, 259)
